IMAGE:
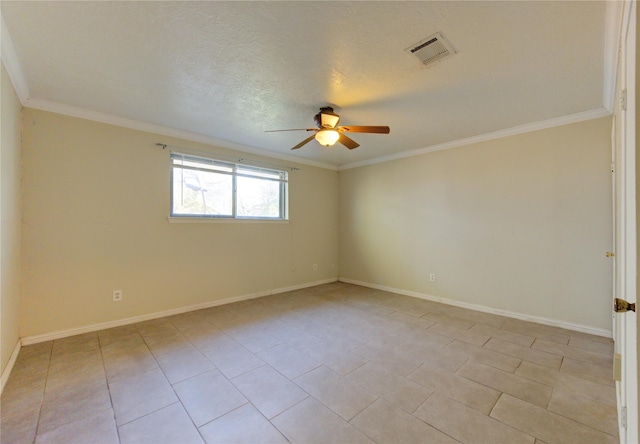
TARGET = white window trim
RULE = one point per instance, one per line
(284, 203)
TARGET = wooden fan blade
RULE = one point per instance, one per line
(365, 129)
(349, 143)
(294, 129)
(304, 142)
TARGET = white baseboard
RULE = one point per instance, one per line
(7, 369)
(510, 314)
(34, 339)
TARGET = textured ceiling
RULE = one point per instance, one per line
(231, 70)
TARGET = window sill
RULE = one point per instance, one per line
(222, 220)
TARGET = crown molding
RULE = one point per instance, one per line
(12, 63)
(526, 128)
(613, 16)
(96, 116)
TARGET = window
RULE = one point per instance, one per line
(202, 187)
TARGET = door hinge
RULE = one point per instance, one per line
(613, 167)
(622, 306)
(623, 417)
(623, 100)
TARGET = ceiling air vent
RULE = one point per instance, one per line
(431, 49)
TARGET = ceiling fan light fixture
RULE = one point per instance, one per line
(327, 137)
(326, 118)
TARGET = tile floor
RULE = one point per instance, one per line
(336, 363)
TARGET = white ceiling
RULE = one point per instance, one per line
(228, 71)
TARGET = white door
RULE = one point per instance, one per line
(625, 232)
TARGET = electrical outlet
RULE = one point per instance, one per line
(432, 277)
(117, 295)
(315, 267)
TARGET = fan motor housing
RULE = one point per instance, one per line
(326, 118)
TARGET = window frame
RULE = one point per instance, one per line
(236, 172)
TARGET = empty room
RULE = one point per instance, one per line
(318, 222)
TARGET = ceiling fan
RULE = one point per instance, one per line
(328, 131)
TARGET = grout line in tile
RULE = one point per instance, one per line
(44, 390)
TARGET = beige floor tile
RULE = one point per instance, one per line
(18, 434)
(84, 368)
(96, 429)
(32, 362)
(504, 335)
(536, 356)
(593, 414)
(310, 422)
(409, 309)
(467, 425)
(469, 393)
(75, 344)
(538, 373)
(116, 334)
(62, 406)
(333, 356)
(24, 385)
(390, 358)
(161, 345)
(420, 337)
(602, 347)
(486, 356)
(604, 394)
(595, 373)
(549, 333)
(578, 354)
(242, 426)
(187, 321)
(154, 328)
(335, 391)
(601, 393)
(170, 424)
(29, 352)
(328, 333)
(122, 345)
(411, 320)
(296, 332)
(400, 391)
(445, 359)
(288, 361)
(253, 339)
(78, 360)
(22, 395)
(385, 423)
(505, 382)
(269, 391)
(441, 318)
(477, 317)
(204, 337)
(140, 395)
(294, 336)
(19, 419)
(545, 425)
(182, 364)
(208, 396)
(469, 336)
(130, 363)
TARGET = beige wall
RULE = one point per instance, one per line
(96, 201)
(519, 224)
(10, 223)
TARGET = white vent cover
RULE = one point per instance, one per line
(431, 49)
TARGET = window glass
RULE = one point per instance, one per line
(202, 187)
